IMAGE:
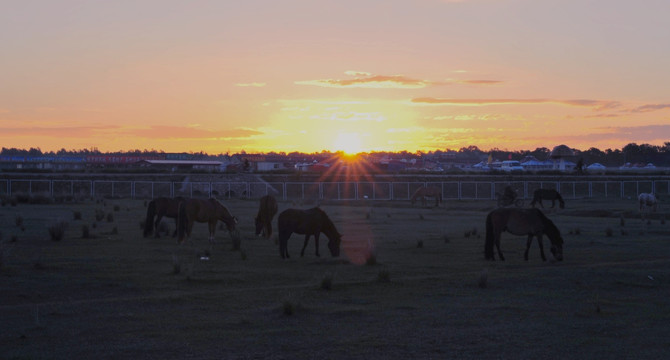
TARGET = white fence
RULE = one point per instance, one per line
(480, 190)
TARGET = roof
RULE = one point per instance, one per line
(182, 162)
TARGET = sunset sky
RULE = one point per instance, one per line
(311, 75)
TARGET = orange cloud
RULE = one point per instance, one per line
(373, 81)
(185, 132)
(650, 107)
(595, 104)
(253, 84)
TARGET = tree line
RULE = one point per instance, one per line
(631, 153)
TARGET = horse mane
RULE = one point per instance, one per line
(551, 227)
(328, 224)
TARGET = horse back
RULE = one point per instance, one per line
(300, 221)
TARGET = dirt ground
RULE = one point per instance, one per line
(429, 294)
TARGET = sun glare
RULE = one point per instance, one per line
(349, 143)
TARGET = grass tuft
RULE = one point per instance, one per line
(327, 282)
(384, 275)
(57, 230)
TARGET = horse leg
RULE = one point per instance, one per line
(176, 226)
(530, 240)
(283, 242)
(302, 253)
(502, 258)
(212, 229)
(156, 223)
(316, 243)
(539, 242)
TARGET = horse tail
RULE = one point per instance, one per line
(561, 203)
(488, 245)
(149, 222)
(181, 220)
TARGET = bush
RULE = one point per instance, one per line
(384, 276)
(85, 232)
(77, 215)
(99, 214)
(57, 230)
(327, 282)
(110, 217)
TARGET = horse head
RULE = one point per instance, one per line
(334, 244)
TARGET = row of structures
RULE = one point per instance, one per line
(560, 159)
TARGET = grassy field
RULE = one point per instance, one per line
(112, 293)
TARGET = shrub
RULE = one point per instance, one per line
(419, 244)
(18, 220)
(608, 232)
(483, 278)
(327, 282)
(288, 308)
(85, 232)
(110, 217)
(384, 275)
(176, 265)
(115, 231)
(99, 214)
(117, 208)
(77, 215)
(57, 230)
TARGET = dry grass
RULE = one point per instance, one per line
(120, 295)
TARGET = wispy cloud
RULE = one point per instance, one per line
(595, 104)
(253, 84)
(650, 107)
(475, 82)
(189, 132)
(371, 81)
(59, 132)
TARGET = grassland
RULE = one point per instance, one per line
(429, 293)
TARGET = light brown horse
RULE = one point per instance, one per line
(266, 211)
(531, 222)
(203, 210)
(159, 207)
(424, 192)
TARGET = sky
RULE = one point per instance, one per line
(225, 76)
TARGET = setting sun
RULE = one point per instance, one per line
(349, 143)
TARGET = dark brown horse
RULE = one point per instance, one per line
(266, 212)
(424, 192)
(159, 207)
(531, 222)
(547, 194)
(204, 211)
(309, 222)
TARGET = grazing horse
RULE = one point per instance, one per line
(159, 207)
(648, 200)
(203, 210)
(547, 194)
(424, 192)
(309, 222)
(531, 222)
(266, 211)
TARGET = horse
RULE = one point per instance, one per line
(203, 210)
(547, 194)
(531, 222)
(266, 212)
(648, 200)
(309, 222)
(423, 192)
(159, 207)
